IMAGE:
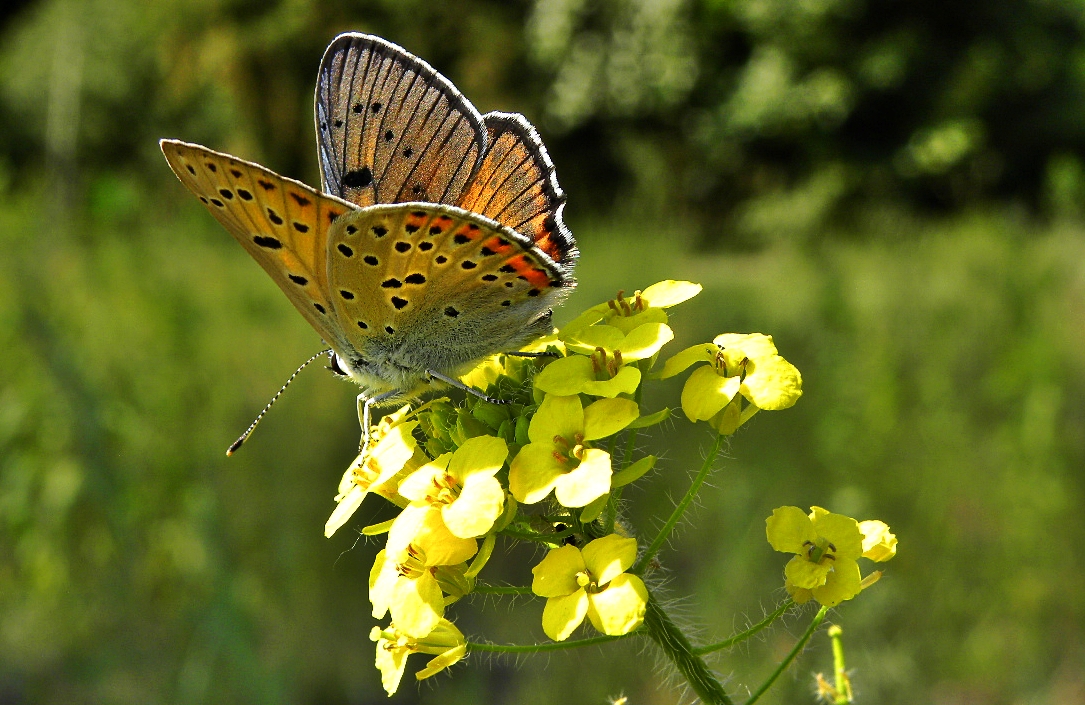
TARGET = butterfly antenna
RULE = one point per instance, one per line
(252, 427)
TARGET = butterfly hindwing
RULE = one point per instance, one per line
(515, 185)
(282, 223)
(438, 284)
(390, 128)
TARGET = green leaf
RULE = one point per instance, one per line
(633, 472)
(651, 419)
(592, 511)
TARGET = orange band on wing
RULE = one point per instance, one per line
(526, 269)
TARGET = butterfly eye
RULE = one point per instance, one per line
(335, 365)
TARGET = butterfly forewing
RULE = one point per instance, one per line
(283, 224)
(425, 275)
(516, 186)
(390, 128)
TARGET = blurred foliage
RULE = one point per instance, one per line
(898, 191)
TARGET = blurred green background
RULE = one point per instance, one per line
(894, 190)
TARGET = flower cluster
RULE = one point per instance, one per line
(542, 467)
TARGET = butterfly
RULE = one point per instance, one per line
(436, 240)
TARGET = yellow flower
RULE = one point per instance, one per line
(462, 486)
(826, 546)
(423, 526)
(593, 583)
(644, 307)
(558, 458)
(393, 648)
(492, 368)
(739, 364)
(390, 446)
(879, 543)
(408, 588)
(603, 369)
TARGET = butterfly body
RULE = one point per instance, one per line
(438, 239)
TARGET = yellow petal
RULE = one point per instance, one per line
(842, 531)
(557, 416)
(620, 608)
(789, 529)
(772, 383)
(609, 556)
(382, 582)
(804, 574)
(343, 511)
(669, 292)
(843, 583)
(751, 345)
(443, 661)
(586, 340)
(477, 508)
(690, 356)
(534, 471)
(391, 662)
(555, 575)
(417, 605)
(424, 527)
(562, 615)
(405, 527)
(645, 341)
(479, 455)
(879, 543)
(625, 382)
(418, 484)
(565, 376)
(606, 417)
(589, 480)
(393, 451)
(705, 393)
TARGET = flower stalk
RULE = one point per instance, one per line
(664, 632)
(676, 515)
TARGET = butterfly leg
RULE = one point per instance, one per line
(518, 353)
(365, 404)
(460, 385)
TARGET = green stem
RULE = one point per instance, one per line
(678, 649)
(840, 670)
(676, 515)
(538, 648)
(791, 656)
(742, 636)
(502, 589)
(548, 539)
(630, 446)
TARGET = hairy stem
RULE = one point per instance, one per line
(539, 648)
(818, 618)
(743, 636)
(502, 589)
(679, 510)
(676, 646)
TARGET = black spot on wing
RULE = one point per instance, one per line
(267, 242)
(359, 178)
